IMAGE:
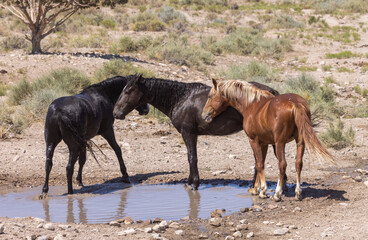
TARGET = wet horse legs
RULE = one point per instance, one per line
(260, 152)
(191, 144)
(82, 161)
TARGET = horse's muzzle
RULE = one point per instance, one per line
(207, 117)
(118, 115)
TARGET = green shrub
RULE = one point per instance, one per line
(168, 14)
(321, 99)
(341, 55)
(20, 92)
(127, 45)
(148, 21)
(254, 71)
(108, 23)
(14, 42)
(284, 21)
(336, 137)
(118, 67)
(3, 89)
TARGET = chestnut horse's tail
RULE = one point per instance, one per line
(307, 134)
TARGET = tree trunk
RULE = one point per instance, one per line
(36, 42)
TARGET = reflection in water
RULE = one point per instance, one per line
(113, 201)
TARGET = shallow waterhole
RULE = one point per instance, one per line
(107, 202)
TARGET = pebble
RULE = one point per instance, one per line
(38, 219)
(343, 204)
(114, 223)
(148, 230)
(345, 177)
(366, 183)
(49, 226)
(216, 213)
(156, 236)
(156, 228)
(232, 156)
(202, 236)
(174, 225)
(129, 231)
(229, 238)
(280, 231)
(179, 232)
(250, 235)
(2, 228)
(272, 206)
(43, 237)
(243, 221)
(128, 220)
(147, 222)
(266, 222)
(242, 227)
(297, 209)
(216, 222)
(218, 172)
(357, 179)
(237, 234)
(20, 225)
(40, 225)
(279, 224)
(32, 237)
(243, 210)
(16, 158)
(163, 225)
(59, 237)
(293, 227)
(157, 220)
(63, 226)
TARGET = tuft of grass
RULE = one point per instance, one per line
(108, 23)
(148, 21)
(284, 21)
(118, 67)
(341, 55)
(157, 114)
(321, 99)
(336, 137)
(127, 44)
(254, 71)
(169, 15)
(14, 42)
(19, 92)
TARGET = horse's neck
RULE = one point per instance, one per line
(243, 108)
(161, 96)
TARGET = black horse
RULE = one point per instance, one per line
(78, 118)
(183, 104)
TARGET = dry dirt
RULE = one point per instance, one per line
(334, 198)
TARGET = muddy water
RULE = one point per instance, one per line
(107, 202)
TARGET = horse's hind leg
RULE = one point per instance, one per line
(110, 138)
(73, 156)
(284, 187)
(82, 161)
(260, 153)
(50, 148)
(299, 166)
(280, 152)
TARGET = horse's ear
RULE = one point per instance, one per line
(137, 78)
(214, 81)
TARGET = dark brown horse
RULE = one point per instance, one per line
(183, 104)
(268, 119)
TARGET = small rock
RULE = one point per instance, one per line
(43, 237)
(128, 220)
(241, 227)
(202, 236)
(216, 213)
(16, 158)
(293, 227)
(232, 156)
(121, 220)
(243, 210)
(357, 179)
(345, 177)
(115, 224)
(40, 225)
(174, 225)
(64, 227)
(157, 220)
(49, 226)
(38, 219)
(343, 204)
(2, 228)
(186, 218)
(366, 183)
(280, 231)
(279, 224)
(179, 232)
(256, 208)
(148, 230)
(266, 222)
(157, 228)
(163, 224)
(20, 225)
(59, 237)
(297, 209)
(218, 172)
(32, 237)
(156, 236)
(345, 228)
(230, 224)
(243, 221)
(272, 206)
(129, 231)
(237, 234)
(147, 222)
(250, 235)
(229, 238)
(216, 222)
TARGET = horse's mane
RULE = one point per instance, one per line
(235, 89)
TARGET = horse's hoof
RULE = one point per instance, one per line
(125, 180)
(298, 197)
(253, 191)
(42, 196)
(194, 188)
(276, 198)
(80, 184)
(263, 196)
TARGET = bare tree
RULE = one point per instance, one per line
(44, 16)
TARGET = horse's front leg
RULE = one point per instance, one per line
(280, 152)
(190, 141)
(260, 152)
(73, 156)
(110, 138)
(82, 161)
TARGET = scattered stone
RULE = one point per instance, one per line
(293, 227)
(232, 229)
(218, 172)
(266, 222)
(237, 234)
(129, 231)
(115, 224)
(345, 177)
(49, 226)
(59, 237)
(343, 204)
(216, 234)
(157, 220)
(2, 228)
(128, 220)
(316, 224)
(242, 227)
(16, 158)
(179, 232)
(229, 238)
(272, 206)
(20, 225)
(216, 213)
(163, 225)
(232, 156)
(345, 228)
(280, 231)
(230, 224)
(357, 179)
(121, 220)
(156, 228)
(148, 230)
(147, 222)
(139, 221)
(243, 221)
(256, 208)
(297, 209)
(156, 236)
(174, 225)
(32, 237)
(40, 225)
(366, 183)
(186, 218)
(279, 224)
(243, 210)
(38, 219)
(202, 236)
(250, 235)
(43, 237)
(216, 222)
(64, 227)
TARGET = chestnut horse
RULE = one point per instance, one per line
(268, 119)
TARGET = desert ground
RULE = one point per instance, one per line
(334, 197)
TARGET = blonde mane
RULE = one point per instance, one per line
(236, 89)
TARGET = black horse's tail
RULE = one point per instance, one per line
(82, 142)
